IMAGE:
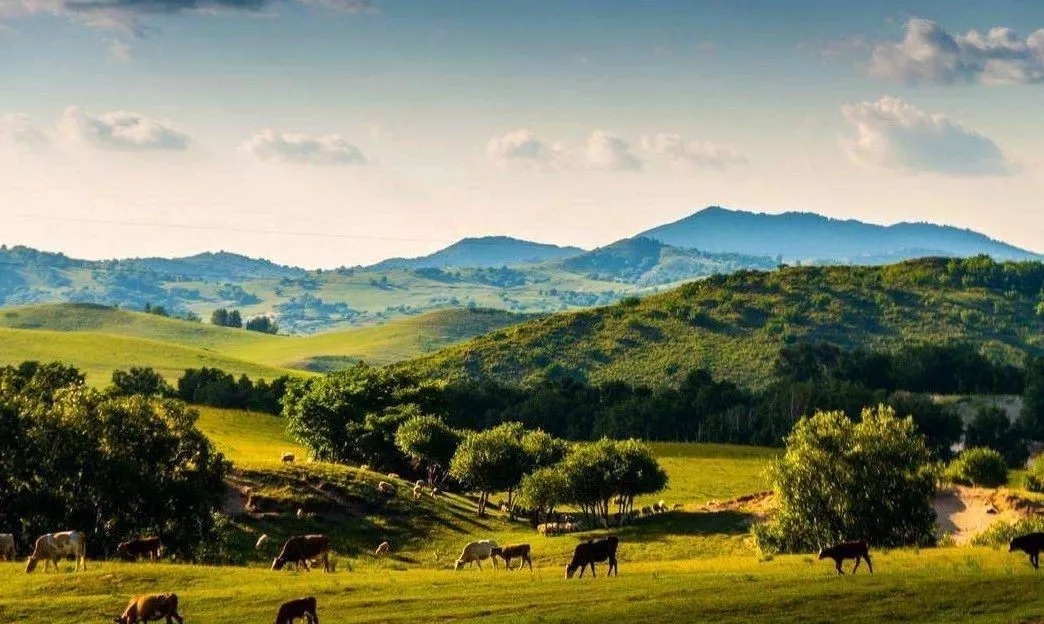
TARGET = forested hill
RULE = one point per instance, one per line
(735, 324)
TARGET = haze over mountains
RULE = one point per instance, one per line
(495, 272)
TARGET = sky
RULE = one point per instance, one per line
(326, 133)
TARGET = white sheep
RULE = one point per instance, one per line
(386, 488)
(417, 491)
(383, 549)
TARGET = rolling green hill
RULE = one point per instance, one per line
(99, 339)
(736, 324)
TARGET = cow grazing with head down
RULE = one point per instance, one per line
(150, 607)
(301, 549)
(848, 550)
(476, 552)
(1031, 544)
(587, 553)
(51, 547)
(514, 551)
(7, 547)
(131, 550)
(303, 608)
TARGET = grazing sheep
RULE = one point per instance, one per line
(848, 550)
(435, 492)
(392, 475)
(663, 506)
(288, 458)
(300, 513)
(1031, 544)
(303, 608)
(150, 607)
(261, 541)
(419, 483)
(476, 552)
(365, 467)
(504, 509)
(383, 549)
(418, 490)
(515, 551)
(647, 511)
(386, 488)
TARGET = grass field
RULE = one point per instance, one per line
(99, 340)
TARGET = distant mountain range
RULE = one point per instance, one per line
(489, 272)
(813, 238)
(484, 252)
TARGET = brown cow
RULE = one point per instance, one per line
(300, 608)
(848, 550)
(303, 548)
(150, 607)
(514, 551)
(131, 550)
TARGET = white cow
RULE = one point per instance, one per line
(51, 547)
(476, 552)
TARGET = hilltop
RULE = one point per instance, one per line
(807, 237)
(736, 324)
(483, 252)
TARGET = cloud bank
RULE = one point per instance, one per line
(892, 134)
(929, 54)
(122, 130)
(269, 145)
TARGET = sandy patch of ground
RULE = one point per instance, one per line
(964, 512)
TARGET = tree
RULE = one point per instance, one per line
(219, 317)
(638, 473)
(542, 490)
(235, 319)
(991, 428)
(840, 480)
(490, 461)
(1032, 417)
(942, 427)
(140, 381)
(589, 470)
(430, 442)
(978, 466)
(262, 324)
(542, 449)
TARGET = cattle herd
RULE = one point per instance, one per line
(305, 551)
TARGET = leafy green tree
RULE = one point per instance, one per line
(262, 324)
(983, 467)
(638, 473)
(235, 319)
(991, 428)
(542, 490)
(942, 427)
(840, 479)
(589, 469)
(1032, 417)
(141, 381)
(430, 442)
(542, 449)
(219, 317)
(490, 461)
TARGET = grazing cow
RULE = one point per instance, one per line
(587, 553)
(515, 551)
(848, 550)
(261, 541)
(476, 552)
(51, 547)
(131, 550)
(288, 458)
(301, 549)
(1031, 544)
(303, 608)
(150, 607)
(386, 488)
(7, 547)
(383, 549)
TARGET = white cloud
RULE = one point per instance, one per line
(301, 148)
(676, 150)
(895, 135)
(19, 129)
(605, 150)
(523, 148)
(928, 53)
(119, 51)
(122, 130)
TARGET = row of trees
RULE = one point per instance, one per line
(223, 317)
(111, 466)
(203, 386)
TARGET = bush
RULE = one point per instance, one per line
(843, 480)
(982, 467)
(1035, 477)
(1000, 533)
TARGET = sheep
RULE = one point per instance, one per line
(647, 511)
(504, 509)
(365, 467)
(261, 541)
(418, 490)
(386, 488)
(435, 492)
(392, 475)
(663, 506)
(419, 482)
(300, 513)
(288, 458)
(383, 549)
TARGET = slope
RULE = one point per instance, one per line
(736, 324)
(801, 236)
(483, 252)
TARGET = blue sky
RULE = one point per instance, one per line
(335, 132)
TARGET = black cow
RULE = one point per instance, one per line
(848, 550)
(131, 550)
(303, 608)
(1031, 544)
(301, 549)
(587, 553)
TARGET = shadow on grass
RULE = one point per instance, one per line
(688, 523)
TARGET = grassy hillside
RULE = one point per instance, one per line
(736, 324)
(100, 339)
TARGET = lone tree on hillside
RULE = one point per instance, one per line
(842, 480)
(430, 442)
